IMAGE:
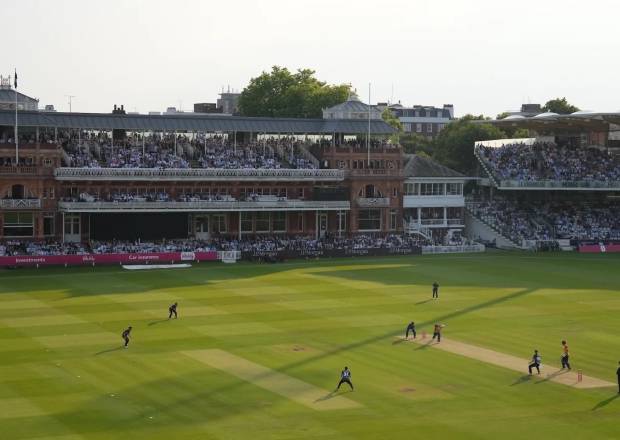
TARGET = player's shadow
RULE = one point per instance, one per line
(422, 302)
(522, 379)
(158, 322)
(552, 375)
(109, 350)
(426, 344)
(398, 341)
(327, 396)
(605, 402)
(332, 394)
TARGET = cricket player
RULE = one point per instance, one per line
(125, 335)
(410, 328)
(172, 310)
(436, 290)
(345, 377)
(536, 361)
(565, 356)
(618, 374)
(437, 332)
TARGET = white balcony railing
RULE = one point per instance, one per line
(373, 202)
(437, 222)
(212, 174)
(560, 184)
(20, 203)
(205, 206)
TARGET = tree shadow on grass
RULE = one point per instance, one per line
(199, 398)
(606, 402)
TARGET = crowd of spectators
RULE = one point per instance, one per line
(96, 150)
(249, 244)
(550, 220)
(42, 248)
(548, 161)
(329, 242)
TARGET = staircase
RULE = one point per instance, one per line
(486, 168)
(303, 151)
(476, 227)
(412, 228)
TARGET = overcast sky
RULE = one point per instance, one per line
(483, 56)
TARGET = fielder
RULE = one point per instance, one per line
(345, 377)
(125, 335)
(436, 290)
(172, 310)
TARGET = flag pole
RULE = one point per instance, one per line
(368, 137)
(16, 130)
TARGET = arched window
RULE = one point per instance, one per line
(370, 191)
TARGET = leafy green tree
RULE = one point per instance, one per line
(502, 115)
(280, 93)
(391, 119)
(454, 147)
(560, 106)
(416, 143)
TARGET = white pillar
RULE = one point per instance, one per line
(316, 224)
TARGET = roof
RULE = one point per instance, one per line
(578, 121)
(420, 166)
(193, 122)
(352, 105)
(8, 95)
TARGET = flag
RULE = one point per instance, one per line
(15, 79)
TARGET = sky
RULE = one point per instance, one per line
(483, 56)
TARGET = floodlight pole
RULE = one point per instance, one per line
(368, 137)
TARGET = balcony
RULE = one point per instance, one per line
(20, 203)
(433, 201)
(203, 174)
(566, 185)
(436, 223)
(205, 206)
(376, 172)
(373, 202)
(14, 170)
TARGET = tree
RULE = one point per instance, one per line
(280, 93)
(454, 147)
(560, 106)
(502, 115)
(391, 119)
(416, 143)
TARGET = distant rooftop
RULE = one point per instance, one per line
(420, 166)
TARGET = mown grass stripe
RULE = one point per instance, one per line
(271, 380)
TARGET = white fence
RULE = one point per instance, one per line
(196, 174)
(460, 249)
(229, 256)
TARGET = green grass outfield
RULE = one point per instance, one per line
(286, 330)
